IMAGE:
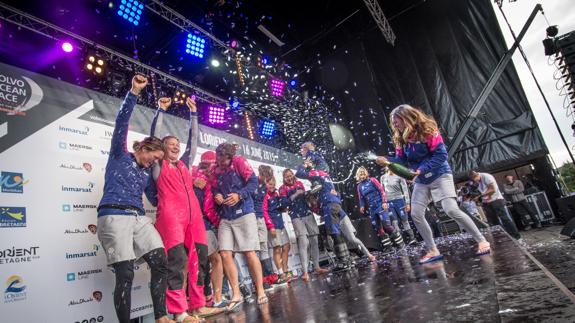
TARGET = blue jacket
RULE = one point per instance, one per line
(272, 208)
(325, 194)
(370, 192)
(258, 197)
(125, 180)
(238, 178)
(429, 157)
(318, 161)
(298, 207)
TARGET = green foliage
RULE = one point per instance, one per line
(567, 171)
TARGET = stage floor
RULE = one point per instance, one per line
(506, 286)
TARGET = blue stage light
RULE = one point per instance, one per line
(267, 128)
(195, 46)
(131, 10)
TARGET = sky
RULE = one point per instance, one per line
(561, 13)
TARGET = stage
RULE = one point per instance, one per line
(506, 286)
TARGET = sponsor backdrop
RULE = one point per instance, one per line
(54, 144)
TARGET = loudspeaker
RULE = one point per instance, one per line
(569, 229)
(566, 207)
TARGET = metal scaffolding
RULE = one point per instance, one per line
(380, 20)
(52, 31)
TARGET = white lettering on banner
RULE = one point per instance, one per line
(11, 81)
(14, 90)
(211, 140)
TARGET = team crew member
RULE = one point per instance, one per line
(420, 146)
(124, 231)
(303, 221)
(398, 201)
(179, 220)
(278, 236)
(330, 207)
(371, 193)
(203, 191)
(270, 278)
(233, 183)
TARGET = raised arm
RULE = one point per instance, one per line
(192, 143)
(120, 134)
(157, 122)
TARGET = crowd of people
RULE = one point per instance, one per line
(208, 213)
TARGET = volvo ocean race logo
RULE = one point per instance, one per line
(18, 94)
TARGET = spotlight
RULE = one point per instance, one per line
(549, 46)
(131, 10)
(179, 97)
(292, 83)
(89, 66)
(91, 59)
(67, 47)
(101, 62)
(215, 63)
(267, 128)
(239, 68)
(552, 31)
(265, 60)
(216, 115)
(95, 65)
(235, 104)
(195, 46)
(234, 43)
(98, 70)
(249, 127)
(277, 87)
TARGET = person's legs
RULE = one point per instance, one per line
(303, 243)
(216, 275)
(231, 272)
(256, 273)
(158, 263)
(527, 209)
(177, 270)
(124, 272)
(491, 214)
(505, 218)
(285, 257)
(264, 255)
(420, 199)
(451, 208)
(278, 259)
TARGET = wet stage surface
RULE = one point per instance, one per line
(506, 286)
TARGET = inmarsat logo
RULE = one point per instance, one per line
(79, 189)
(84, 131)
(18, 94)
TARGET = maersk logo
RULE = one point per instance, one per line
(93, 253)
(83, 131)
(82, 274)
(78, 189)
(78, 207)
(72, 146)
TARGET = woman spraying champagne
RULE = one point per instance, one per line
(420, 146)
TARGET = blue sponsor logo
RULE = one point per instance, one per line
(12, 182)
(62, 145)
(66, 208)
(11, 216)
(70, 277)
(15, 289)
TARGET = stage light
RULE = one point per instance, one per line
(265, 60)
(293, 83)
(267, 128)
(95, 65)
(89, 66)
(91, 59)
(131, 10)
(277, 87)
(98, 70)
(239, 68)
(234, 43)
(179, 97)
(195, 46)
(216, 115)
(234, 104)
(249, 126)
(215, 63)
(67, 47)
(101, 62)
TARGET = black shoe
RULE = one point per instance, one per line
(246, 292)
(397, 240)
(538, 225)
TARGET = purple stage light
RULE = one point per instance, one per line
(67, 47)
(216, 115)
(277, 87)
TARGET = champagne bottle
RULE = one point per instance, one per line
(401, 171)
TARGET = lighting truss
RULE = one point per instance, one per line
(111, 56)
(380, 20)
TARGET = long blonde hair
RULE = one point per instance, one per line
(359, 170)
(417, 124)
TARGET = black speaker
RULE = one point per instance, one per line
(569, 229)
(366, 233)
(566, 207)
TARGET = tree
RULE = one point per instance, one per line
(567, 171)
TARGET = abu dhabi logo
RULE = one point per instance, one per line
(84, 131)
(78, 207)
(93, 253)
(72, 146)
(12, 182)
(96, 296)
(79, 189)
(92, 228)
(18, 94)
(12, 216)
(15, 289)
(18, 255)
(81, 167)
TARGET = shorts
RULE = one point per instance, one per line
(306, 226)
(212, 237)
(436, 191)
(127, 237)
(281, 238)
(239, 234)
(262, 232)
